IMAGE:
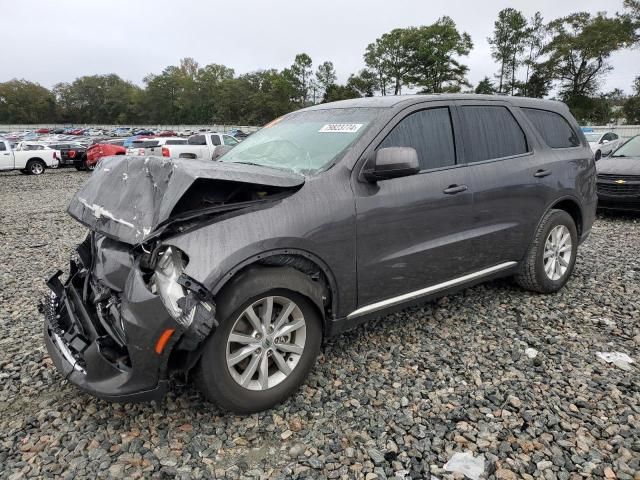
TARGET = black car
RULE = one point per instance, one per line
(619, 178)
(237, 269)
(71, 154)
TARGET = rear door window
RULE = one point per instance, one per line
(428, 131)
(491, 132)
(215, 140)
(3, 147)
(554, 129)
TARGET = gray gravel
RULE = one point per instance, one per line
(394, 398)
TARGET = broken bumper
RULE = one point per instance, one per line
(87, 351)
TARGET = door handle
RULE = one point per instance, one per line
(542, 173)
(453, 189)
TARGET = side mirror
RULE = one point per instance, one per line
(220, 150)
(604, 141)
(392, 162)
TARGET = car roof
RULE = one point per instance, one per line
(391, 101)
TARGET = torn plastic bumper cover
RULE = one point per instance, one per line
(106, 341)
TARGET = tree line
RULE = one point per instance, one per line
(567, 56)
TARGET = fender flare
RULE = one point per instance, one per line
(333, 286)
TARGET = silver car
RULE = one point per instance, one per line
(603, 143)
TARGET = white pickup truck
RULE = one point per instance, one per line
(153, 146)
(32, 162)
(202, 145)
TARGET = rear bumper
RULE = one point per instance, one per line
(86, 351)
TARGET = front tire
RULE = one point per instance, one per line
(551, 257)
(598, 155)
(263, 349)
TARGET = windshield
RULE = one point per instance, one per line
(304, 142)
(629, 149)
(592, 137)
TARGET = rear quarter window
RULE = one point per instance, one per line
(553, 128)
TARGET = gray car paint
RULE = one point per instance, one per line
(328, 215)
(374, 241)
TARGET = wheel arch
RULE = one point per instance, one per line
(572, 207)
(301, 260)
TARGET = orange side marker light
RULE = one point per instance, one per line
(164, 338)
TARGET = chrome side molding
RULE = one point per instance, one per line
(429, 290)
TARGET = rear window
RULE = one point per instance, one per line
(175, 142)
(144, 144)
(491, 132)
(197, 140)
(554, 129)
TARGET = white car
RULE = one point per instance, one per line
(603, 143)
(29, 161)
(202, 145)
(153, 146)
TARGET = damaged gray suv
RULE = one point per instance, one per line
(235, 270)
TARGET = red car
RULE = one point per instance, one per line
(99, 150)
(167, 133)
(43, 130)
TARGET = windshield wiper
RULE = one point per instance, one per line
(617, 156)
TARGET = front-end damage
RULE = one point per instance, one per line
(127, 315)
(116, 328)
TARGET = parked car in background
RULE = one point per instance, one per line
(202, 145)
(619, 178)
(153, 146)
(237, 269)
(33, 162)
(71, 154)
(121, 132)
(238, 134)
(99, 150)
(43, 130)
(603, 143)
(167, 133)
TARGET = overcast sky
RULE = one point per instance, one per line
(53, 41)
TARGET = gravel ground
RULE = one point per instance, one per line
(394, 398)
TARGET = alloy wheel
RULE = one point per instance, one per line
(266, 343)
(558, 249)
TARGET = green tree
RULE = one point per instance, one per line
(578, 51)
(389, 56)
(98, 99)
(365, 82)
(485, 86)
(631, 108)
(300, 75)
(534, 43)
(325, 76)
(432, 52)
(507, 43)
(340, 92)
(26, 102)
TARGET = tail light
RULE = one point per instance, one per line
(72, 154)
(165, 152)
(55, 155)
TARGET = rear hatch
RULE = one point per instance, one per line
(139, 148)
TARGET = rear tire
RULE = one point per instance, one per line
(220, 380)
(551, 257)
(35, 167)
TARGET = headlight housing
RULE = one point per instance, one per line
(170, 264)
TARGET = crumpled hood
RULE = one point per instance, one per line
(126, 197)
(619, 165)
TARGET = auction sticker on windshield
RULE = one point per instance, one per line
(341, 128)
